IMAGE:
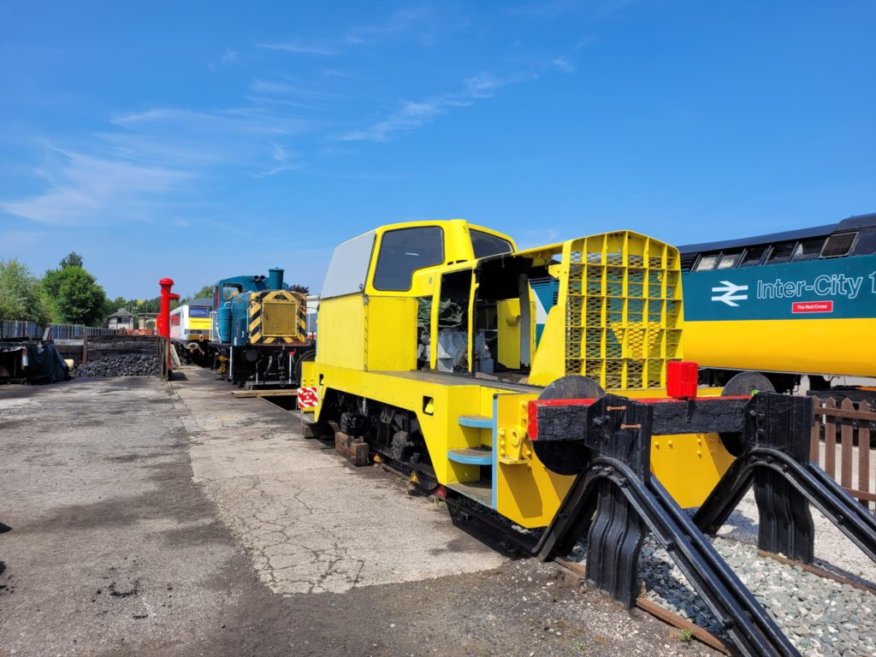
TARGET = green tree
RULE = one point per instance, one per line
(205, 292)
(20, 294)
(146, 305)
(74, 295)
(112, 305)
(72, 259)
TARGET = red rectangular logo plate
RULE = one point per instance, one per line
(812, 307)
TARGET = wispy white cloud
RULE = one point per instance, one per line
(289, 89)
(401, 21)
(563, 64)
(144, 162)
(282, 159)
(88, 190)
(242, 120)
(300, 47)
(229, 57)
(413, 114)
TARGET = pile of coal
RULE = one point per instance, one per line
(120, 365)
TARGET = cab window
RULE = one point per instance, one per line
(485, 244)
(229, 291)
(808, 249)
(707, 262)
(728, 260)
(781, 252)
(753, 256)
(838, 245)
(404, 251)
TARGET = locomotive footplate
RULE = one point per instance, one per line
(615, 500)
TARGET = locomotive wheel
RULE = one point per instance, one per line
(567, 458)
(743, 383)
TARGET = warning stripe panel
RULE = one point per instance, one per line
(256, 316)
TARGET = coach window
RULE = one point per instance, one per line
(728, 260)
(706, 262)
(753, 255)
(808, 249)
(404, 251)
(838, 245)
(781, 253)
(485, 244)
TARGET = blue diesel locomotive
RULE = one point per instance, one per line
(259, 330)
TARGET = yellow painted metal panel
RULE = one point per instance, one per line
(820, 346)
(689, 466)
(391, 325)
(199, 323)
(549, 363)
(526, 492)
(509, 332)
(342, 332)
(279, 318)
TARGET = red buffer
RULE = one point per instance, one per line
(681, 379)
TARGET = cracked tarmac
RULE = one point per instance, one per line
(311, 522)
(154, 520)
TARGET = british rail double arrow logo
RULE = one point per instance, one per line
(729, 293)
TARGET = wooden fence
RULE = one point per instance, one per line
(841, 435)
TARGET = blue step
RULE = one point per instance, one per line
(471, 456)
(476, 421)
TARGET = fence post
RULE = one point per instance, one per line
(864, 454)
(815, 439)
(830, 439)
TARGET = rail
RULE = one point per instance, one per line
(841, 435)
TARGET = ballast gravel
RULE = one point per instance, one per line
(120, 365)
(820, 616)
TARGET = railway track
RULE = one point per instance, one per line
(822, 611)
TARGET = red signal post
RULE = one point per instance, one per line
(163, 320)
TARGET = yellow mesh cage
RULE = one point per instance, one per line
(623, 310)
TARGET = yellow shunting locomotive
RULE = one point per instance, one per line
(548, 385)
(434, 336)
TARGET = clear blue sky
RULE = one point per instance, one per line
(203, 139)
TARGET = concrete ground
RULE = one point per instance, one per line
(154, 520)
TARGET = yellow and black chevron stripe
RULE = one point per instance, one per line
(277, 316)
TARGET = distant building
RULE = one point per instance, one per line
(145, 321)
(121, 319)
